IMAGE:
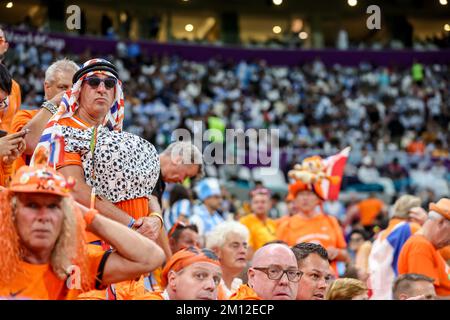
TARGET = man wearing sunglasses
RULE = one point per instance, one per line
(9, 106)
(273, 275)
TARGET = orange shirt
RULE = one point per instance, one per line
(445, 253)
(20, 119)
(418, 255)
(321, 229)
(125, 290)
(369, 210)
(39, 282)
(261, 231)
(416, 147)
(14, 104)
(156, 295)
(5, 174)
(244, 292)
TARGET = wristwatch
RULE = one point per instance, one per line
(50, 107)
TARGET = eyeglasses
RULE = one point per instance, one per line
(4, 103)
(276, 273)
(94, 82)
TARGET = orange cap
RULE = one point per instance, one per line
(41, 179)
(442, 207)
(297, 186)
(186, 257)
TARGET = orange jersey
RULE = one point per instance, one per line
(7, 115)
(39, 282)
(369, 210)
(5, 174)
(20, 119)
(445, 253)
(157, 295)
(244, 292)
(418, 255)
(261, 231)
(125, 290)
(321, 229)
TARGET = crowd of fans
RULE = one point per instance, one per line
(396, 122)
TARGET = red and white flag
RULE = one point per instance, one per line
(334, 166)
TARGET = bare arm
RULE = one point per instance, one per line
(133, 254)
(162, 239)
(36, 126)
(38, 123)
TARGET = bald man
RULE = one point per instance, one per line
(273, 275)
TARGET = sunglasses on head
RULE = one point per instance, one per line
(207, 252)
(94, 82)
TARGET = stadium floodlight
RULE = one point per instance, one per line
(9, 5)
(276, 29)
(303, 35)
(277, 2)
(189, 27)
(443, 2)
(352, 3)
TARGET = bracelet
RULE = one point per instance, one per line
(50, 107)
(89, 216)
(158, 215)
(131, 224)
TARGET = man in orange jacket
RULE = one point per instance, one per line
(420, 253)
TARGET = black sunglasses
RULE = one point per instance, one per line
(94, 82)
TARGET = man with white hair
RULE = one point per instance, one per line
(420, 253)
(229, 240)
(273, 275)
(180, 160)
(58, 79)
(206, 215)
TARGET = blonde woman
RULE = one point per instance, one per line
(347, 289)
